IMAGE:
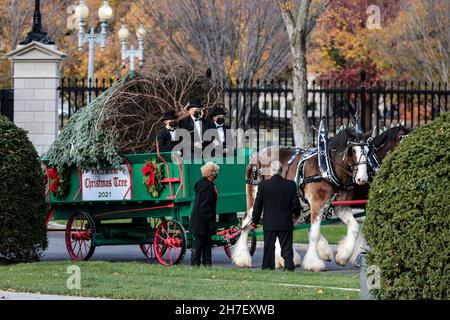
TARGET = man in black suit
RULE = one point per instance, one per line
(196, 126)
(217, 116)
(279, 199)
(167, 135)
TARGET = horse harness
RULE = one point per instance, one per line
(373, 160)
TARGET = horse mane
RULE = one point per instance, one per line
(339, 141)
(388, 135)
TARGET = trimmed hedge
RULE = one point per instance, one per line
(23, 234)
(408, 216)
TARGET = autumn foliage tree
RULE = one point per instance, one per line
(416, 44)
(235, 39)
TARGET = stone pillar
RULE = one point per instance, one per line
(36, 77)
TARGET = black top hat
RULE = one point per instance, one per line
(216, 110)
(194, 103)
(169, 115)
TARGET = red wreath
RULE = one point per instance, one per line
(53, 175)
(149, 170)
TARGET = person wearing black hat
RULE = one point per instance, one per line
(217, 115)
(167, 135)
(196, 125)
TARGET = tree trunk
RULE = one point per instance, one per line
(299, 119)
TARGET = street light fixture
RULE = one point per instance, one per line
(132, 53)
(105, 14)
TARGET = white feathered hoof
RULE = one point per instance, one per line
(242, 260)
(312, 263)
(241, 255)
(324, 249)
(297, 259)
(342, 257)
(279, 261)
(343, 254)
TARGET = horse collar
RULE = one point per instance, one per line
(325, 166)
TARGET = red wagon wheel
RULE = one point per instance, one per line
(148, 248)
(79, 235)
(251, 246)
(170, 242)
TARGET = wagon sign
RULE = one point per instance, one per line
(107, 184)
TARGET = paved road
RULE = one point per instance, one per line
(57, 251)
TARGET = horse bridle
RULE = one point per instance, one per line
(354, 163)
(363, 152)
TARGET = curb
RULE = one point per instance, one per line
(9, 295)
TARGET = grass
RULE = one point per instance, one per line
(134, 280)
(333, 233)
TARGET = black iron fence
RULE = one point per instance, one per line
(7, 103)
(76, 93)
(268, 105)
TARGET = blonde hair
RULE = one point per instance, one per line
(209, 169)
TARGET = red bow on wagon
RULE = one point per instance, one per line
(149, 170)
(53, 175)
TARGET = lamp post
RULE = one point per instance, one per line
(132, 53)
(105, 13)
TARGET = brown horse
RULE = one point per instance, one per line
(347, 152)
(379, 147)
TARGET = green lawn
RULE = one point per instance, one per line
(333, 233)
(134, 280)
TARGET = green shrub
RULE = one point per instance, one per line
(408, 216)
(23, 234)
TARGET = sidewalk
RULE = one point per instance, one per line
(8, 295)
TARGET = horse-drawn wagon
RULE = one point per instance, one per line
(146, 202)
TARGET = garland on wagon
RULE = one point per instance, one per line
(125, 118)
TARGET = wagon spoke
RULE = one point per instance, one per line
(82, 244)
(74, 224)
(74, 246)
(79, 249)
(165, 230)
(161, 238)
(86, 246)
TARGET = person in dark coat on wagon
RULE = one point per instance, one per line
(167, 135)
(279, 200)
(217, 116)
(196, 125)
(202, 223)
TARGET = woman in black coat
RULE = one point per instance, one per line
(202, 223)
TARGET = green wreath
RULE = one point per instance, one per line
(153, 173)
(59, 182)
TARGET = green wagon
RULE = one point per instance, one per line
(120, 206)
